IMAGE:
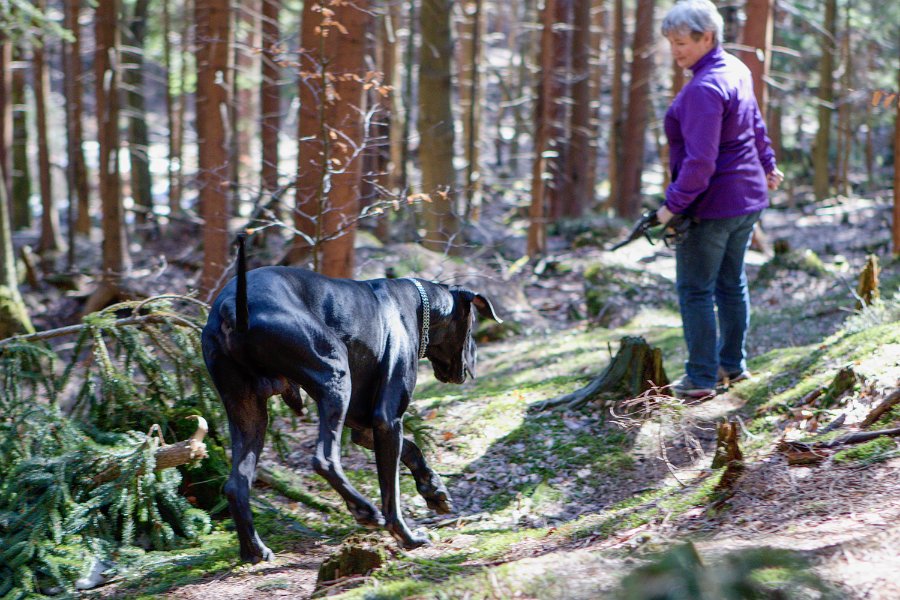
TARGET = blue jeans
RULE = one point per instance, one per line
(710, 278)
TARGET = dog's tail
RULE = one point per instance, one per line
(241, 309)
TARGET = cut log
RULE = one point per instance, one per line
(171, 455)
(636, 368)
(887, 404)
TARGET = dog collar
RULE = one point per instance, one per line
(426, 317)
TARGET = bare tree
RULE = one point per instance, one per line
(213, 25)
(436, 124)
(629, 201)
(106, 80)
(821, 172)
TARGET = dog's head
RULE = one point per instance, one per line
(452, 349)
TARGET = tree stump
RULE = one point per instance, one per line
(844, 381)
(351, 559)
(728, 455)
(867, 290)
(636, 368)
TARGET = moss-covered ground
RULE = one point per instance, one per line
(544, 497)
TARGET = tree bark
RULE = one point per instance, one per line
(758, 35)
(243, 106)
(896, 226)
(76, 168)
(106, 78)
(346, 55)
(6, 113)
(582, 152)
(21, 171)
(543, 111)
(821, 173)
(270, 95)
(139, 141)
(51, 240)
(470, 97)
(436, 126)
(615, 121)
(629, 201)
(13, 315)
(213, 86)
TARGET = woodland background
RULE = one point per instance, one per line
(502, 144)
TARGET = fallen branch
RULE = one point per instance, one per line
(861, 436)
(283, 482)
(171, 455)
(804, 453)
(885, 405)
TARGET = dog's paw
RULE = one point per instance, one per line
(368, 517)
(260, 553)
(442, 504)
(411, 541)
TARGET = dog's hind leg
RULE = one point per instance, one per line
(247, 421)
(428, 483)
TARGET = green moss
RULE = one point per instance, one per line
(866, 453)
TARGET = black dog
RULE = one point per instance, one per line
(353, 346)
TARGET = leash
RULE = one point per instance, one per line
(426, 317)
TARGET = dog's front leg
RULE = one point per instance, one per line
(388, 438)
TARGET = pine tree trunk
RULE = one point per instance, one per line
(270, 96)
(543, 111)
(175, 102)
(821, 166)
(582, 152)
(106, 78)
(559, 185)
(896, 222)
(635, 129)
(470, 97)
(138, 136)
(242, 109)
(845, 114)
(346, 54)
(76, 170)
(387, 123)
(213, 86)
(436, 126)
(51, 240)
(616, 116)
(758, 35)
(21, 171)
(6, 113)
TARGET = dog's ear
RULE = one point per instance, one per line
(482, 305)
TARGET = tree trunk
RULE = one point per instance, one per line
(845, 114)
(543, 111)
(106, 79)
(758, 35)
(242, 109)
(213, 85)
(896, 226)
(559, 185)
(6, 113)
(21, 171)
(175, 101)
(582, 152)
(436, 126)
(13, 315)
(311, 135)
(616, 118)
(346, 56)
(139, 142)
(636, 368)
(51, 240)
(470, 98)
(270, 96)
(629, 201)
(821, 173)
(388, 125)
(76, 168)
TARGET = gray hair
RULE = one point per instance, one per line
(694, 17)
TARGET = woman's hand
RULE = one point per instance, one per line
(774, 178)
(664, 215)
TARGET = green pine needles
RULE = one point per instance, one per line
(77, 481)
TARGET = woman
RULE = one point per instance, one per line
(721, 163)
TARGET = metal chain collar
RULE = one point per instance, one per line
(426, 317)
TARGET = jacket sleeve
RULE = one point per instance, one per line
(763, 143)
(700, 120)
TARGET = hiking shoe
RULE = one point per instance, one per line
(726, 378)
(685, 388)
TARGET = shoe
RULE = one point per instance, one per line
(685, 388)
(726, 378)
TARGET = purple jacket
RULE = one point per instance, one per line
(718, 149)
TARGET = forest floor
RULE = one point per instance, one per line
(563, 504)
